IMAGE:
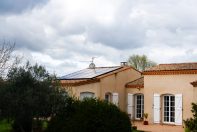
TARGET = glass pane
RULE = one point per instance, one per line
(169, 108)
(139, 106)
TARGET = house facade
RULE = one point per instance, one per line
(165, 92)
(107, 83)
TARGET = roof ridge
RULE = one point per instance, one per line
(178, 63)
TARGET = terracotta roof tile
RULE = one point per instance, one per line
(138, 83)
(174, 66)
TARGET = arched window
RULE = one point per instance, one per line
(108, 97)
(86, 95)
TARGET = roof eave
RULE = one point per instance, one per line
(134, 86)
(67, 84)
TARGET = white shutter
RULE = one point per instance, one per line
(178, 109)
(130, 107)
(115, 98)
(156, 108)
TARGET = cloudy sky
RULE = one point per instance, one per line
(63, 35)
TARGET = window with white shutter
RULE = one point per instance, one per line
(156, 108)
(178, 109)
(130, 107)
(169, 109)
(115, 99)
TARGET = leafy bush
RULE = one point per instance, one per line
(89, 115)
(28, 95)
(191, 123)
(5, 126)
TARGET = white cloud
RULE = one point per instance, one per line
(63, 33)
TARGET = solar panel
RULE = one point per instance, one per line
(88, 73)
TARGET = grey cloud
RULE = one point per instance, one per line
(24, 33)
(120, 36)
(137, 27)
(18, 6)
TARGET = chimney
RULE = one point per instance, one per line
(123, 64)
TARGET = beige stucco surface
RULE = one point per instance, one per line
(93, 87)
(135, 90)
(169, 84)
(114, 83)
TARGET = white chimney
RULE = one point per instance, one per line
(123, 64)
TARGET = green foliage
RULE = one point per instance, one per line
(5, 126)
(191, 123)
(140, 62)
(90, 115)
(28, 95)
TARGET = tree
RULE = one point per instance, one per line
(30, 95)
(140, 62)
(90, 115)
(7, 60)
(191, 123)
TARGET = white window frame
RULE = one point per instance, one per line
(92, 95)
(169, 112)
(142, 106)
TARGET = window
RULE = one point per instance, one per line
(108, 97)
(169, 109)
(139, 106)
(86, 95)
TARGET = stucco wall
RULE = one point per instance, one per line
(93, 87)
(114, 83)
(134, 91)
(169, 84)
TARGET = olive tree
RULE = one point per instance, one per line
(140, 62)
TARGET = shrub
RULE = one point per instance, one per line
(90, 115)
(191, 123)
(28, 95)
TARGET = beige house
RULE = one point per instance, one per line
(165, 92)
(106, 83)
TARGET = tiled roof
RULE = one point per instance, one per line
(138, 83)
(194, 83)
(174, 66)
